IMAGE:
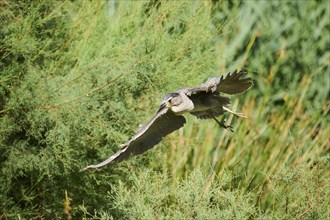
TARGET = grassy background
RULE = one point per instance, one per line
(76, 78)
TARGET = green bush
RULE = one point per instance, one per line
(75, 81)
(195, 197)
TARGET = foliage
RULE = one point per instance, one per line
(296, 194)
(194, 197)
(78, 77)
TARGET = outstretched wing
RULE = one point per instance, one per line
(161, 124)
(233, 83)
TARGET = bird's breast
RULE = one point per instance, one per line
(186, 106)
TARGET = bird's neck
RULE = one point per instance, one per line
(186, 106)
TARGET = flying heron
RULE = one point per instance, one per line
(204, 102)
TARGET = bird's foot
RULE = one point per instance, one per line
(228, 127)
(223, 125)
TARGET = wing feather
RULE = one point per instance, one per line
(233, 83)
(161, 124)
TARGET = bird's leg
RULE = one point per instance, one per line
(239, 114)
(223, 125)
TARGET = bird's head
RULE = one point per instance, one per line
(171, 99)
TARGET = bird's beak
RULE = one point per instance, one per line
(165, 105)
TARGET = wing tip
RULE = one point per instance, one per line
(234, 80)
(237, 73)
(88, 167)
(111, 159)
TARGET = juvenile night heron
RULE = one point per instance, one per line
(204, 102)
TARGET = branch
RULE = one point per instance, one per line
(79, 97)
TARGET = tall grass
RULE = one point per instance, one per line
(260, 146)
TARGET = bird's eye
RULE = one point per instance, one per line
(170, 100)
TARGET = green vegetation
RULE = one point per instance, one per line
(78, 77)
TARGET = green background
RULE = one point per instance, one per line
(78, 77)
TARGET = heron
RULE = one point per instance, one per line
(205, 102)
